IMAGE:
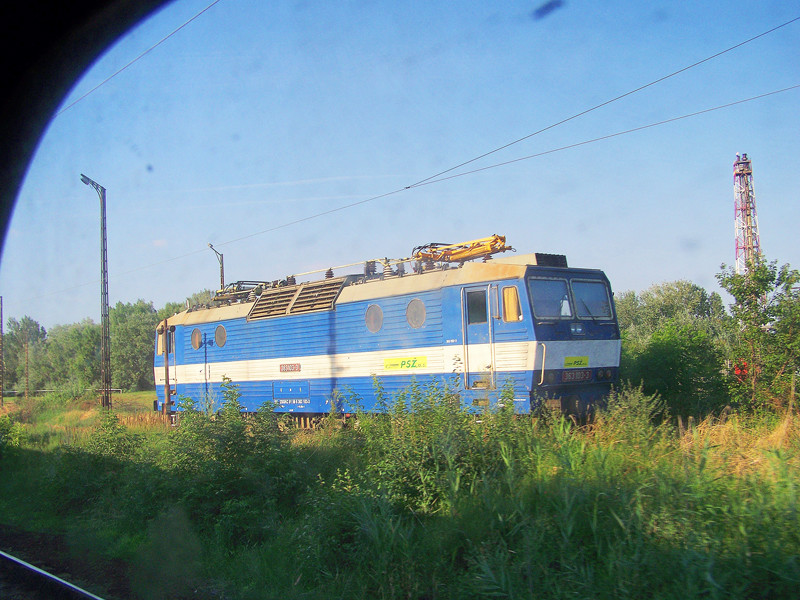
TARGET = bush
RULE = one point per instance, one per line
(432, 501)
(111, 439)
(681, 363)
(233, 472)
(12, 434)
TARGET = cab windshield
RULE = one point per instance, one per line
(555, 298)
(550, 298)
(591, 299)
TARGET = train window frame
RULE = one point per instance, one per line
(161, 341)
(565, 293)
(220, 334)
(373, 318)
(580, 300)
(416, 314)
(512, 309)
(477, 314)
(161, 349)
(196, 338)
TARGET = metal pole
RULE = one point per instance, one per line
(221, 267)
(27, 377)
(105, 339)
(165, 343)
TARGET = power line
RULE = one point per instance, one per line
(438, 176)
(606, 103)
(110, 77)
(439, 179)
(606, 137)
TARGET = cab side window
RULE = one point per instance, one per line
(476, 307)
(511, 308)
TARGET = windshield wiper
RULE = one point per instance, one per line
(589, 310)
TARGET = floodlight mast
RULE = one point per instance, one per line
(105, 338)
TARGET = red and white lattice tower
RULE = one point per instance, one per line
(748, 247)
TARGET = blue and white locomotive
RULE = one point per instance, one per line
(528, 322)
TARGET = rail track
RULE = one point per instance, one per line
(19, 579)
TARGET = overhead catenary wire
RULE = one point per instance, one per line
(606, 137)
(439, 179)
(438, 175)
(606, 103)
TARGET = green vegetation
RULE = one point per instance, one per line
(68, 356)
(678, 341)
(426, 501)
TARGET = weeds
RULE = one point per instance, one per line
(431, 501)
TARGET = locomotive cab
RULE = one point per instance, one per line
(578, 338)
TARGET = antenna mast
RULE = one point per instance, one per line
(748, 246)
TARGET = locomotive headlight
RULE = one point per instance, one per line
(576, 328)
(604, 374)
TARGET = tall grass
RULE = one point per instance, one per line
(431, 501)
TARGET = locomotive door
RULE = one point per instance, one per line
(478, 338)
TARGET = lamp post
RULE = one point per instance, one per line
(105, 339)
(221, 267)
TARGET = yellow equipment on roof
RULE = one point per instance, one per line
(483, 247)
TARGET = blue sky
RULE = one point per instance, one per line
(260, 114)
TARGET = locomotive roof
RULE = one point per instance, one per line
(358, 288)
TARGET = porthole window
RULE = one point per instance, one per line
(415, 313)
(197, 338)
(374, 318)
(220, 336)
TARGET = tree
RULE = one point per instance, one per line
(133, 328)
(73, 355)
(676, 301)
(201, 297)
(169, 309)
(674, 339)
(18, 334)
(682, 363)
(767, 311)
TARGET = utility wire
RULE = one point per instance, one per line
(438, 176)
(431, 180)
(439, 179)
(606, 137)
(602, 104)
(153, 47)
